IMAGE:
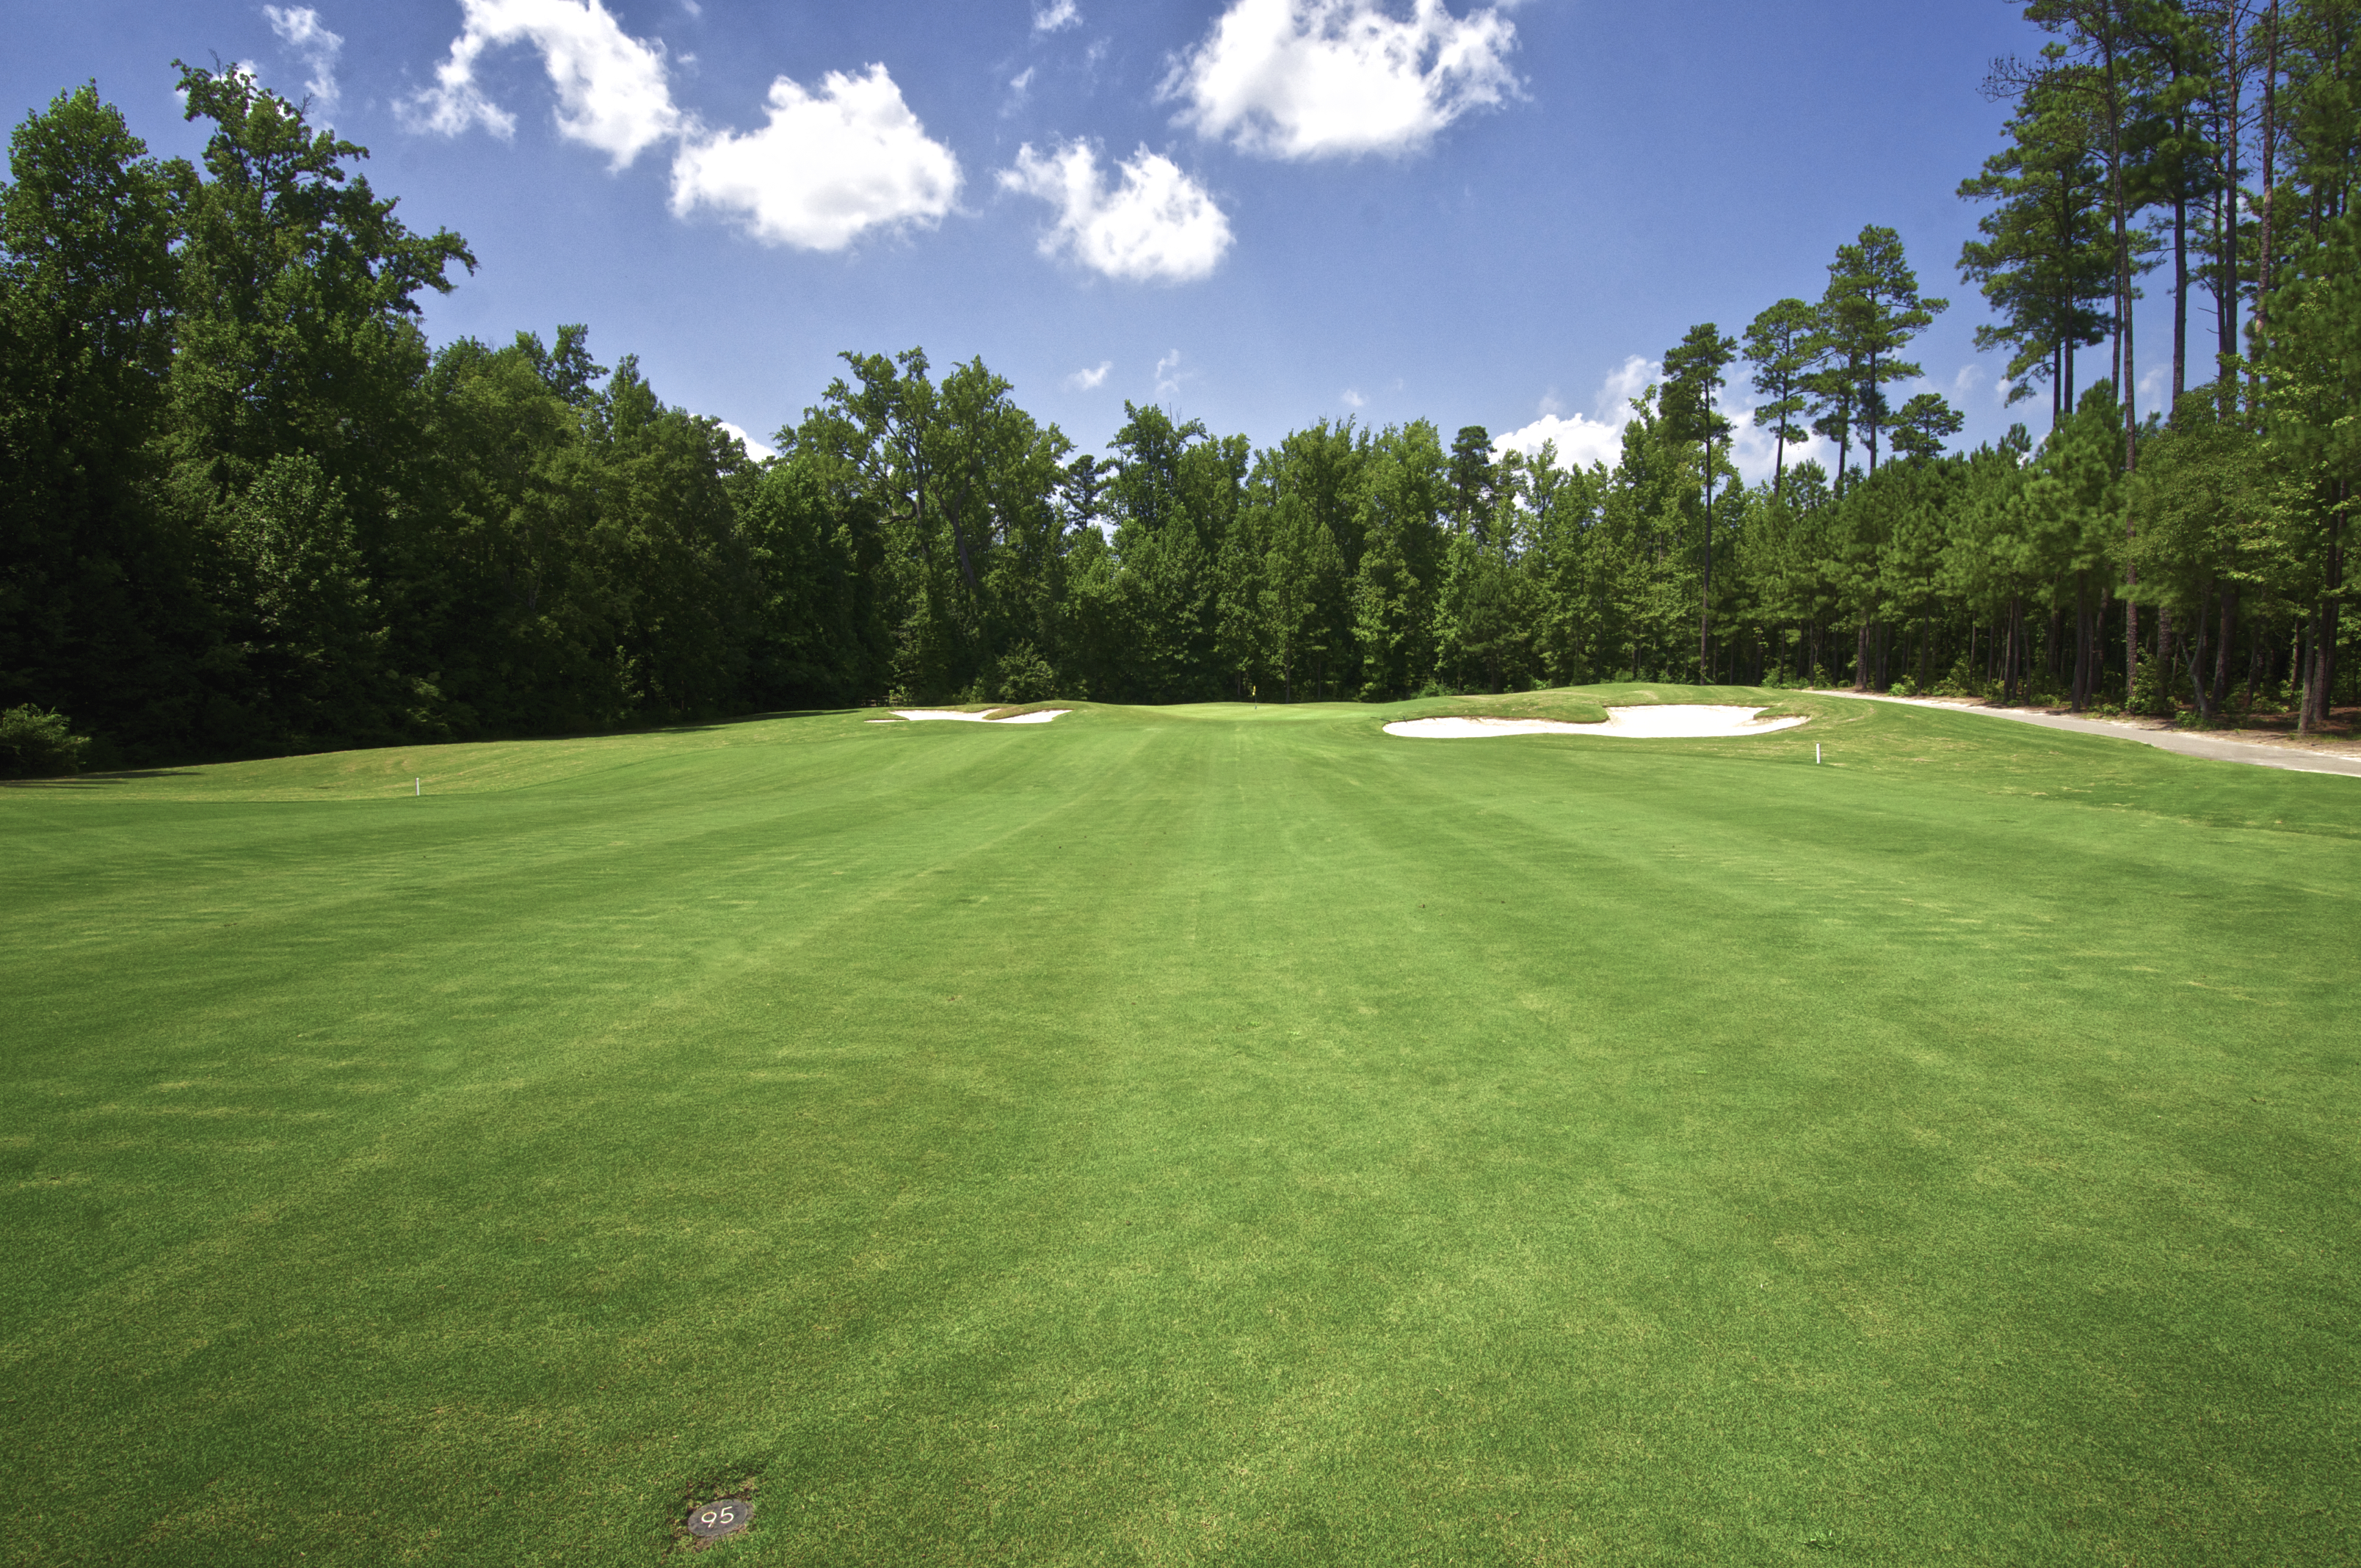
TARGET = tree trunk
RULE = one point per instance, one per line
(2021, 661)
(2099, 643)
(2222, 644)
(2131, 627)
(2307, 670)
(2081, 697)
(2125, 388)
(2008, 652)
(2321, 684)
(2197, 682)
(2264, 271)
(2255, 646)
(1705, 593)
(2180, 261)
(2180, 299)
(2227, 305)
(2295, 666)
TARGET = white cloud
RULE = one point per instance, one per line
(1598, 437)
(1328, 78)
(299, 29)
(612, 91)
(1580, 441)
(1624, 384)
(1055, 16)
(1353, 398)
(1093, 379)
(755, 449)
(1168, 374)
(826, 169)
(1755, 452)
(1158, 224)
(1583, 439)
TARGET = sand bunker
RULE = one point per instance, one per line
(1663, 721)
(1043, 717)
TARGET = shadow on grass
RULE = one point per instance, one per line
(93, 781)
(703, 727)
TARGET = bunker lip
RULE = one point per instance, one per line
(1663, 721)
(1042, 716)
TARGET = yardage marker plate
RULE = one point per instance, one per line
(723, 1516)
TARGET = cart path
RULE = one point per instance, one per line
(2249, 751)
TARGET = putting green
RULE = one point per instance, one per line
(1187, 1136)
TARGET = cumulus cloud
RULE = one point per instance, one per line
(1057, 15)
(1583, 439)
(1299, 79)
(755, 449)
(300, 30)
(1579, 441)
(828, 166)
(1755, 451)
(611, 88)
(1156, 224)
(1598, 436)
(1353, 398)
(1091, 380)
(1168, 374)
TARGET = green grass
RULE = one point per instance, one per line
(1187, 1136)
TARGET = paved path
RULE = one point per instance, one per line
(2188, 745)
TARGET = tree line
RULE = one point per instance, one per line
(246, 508)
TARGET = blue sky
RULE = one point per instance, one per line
(1257, 212)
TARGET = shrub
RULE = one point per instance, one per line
(1021, 676)
(2154, 695)
(34, 744)
(1962, 681)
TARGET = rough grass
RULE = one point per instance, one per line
(1186, 1135)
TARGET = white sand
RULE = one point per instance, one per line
(1043, 717)
(1663, 721)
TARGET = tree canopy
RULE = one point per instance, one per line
(246, 506)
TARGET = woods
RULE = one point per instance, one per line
(246, 508)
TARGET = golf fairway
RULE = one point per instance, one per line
(1187, 1136)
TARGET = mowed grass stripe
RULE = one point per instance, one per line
(1732, 1161)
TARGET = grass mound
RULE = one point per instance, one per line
(1185, 1135)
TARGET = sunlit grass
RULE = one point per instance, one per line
(1200, 1135)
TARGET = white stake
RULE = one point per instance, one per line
(1816, 753)
(417, 786)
